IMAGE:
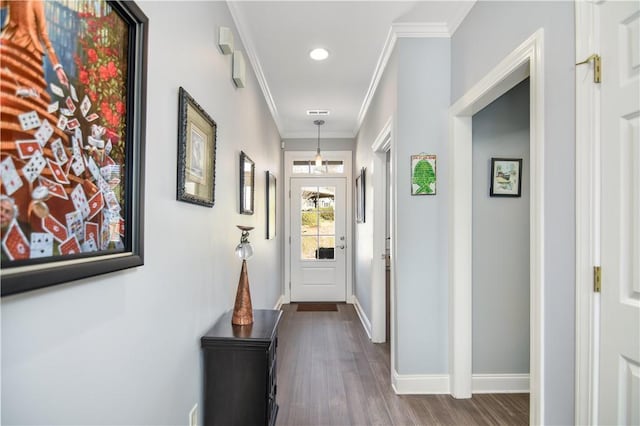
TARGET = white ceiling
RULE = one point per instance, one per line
(359, 35)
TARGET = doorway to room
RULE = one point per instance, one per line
(500, 244)
(526, 61)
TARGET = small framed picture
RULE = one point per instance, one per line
(423, 174)
(360, 196)
(506, 178)
(196, 152)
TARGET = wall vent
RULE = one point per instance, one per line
(316, 112)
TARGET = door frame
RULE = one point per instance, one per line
(289, 158)
(527, 60)
(588, 204)
(380, 147)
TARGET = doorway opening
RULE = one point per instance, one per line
(525, 61)
(383, 260)
(500, 244)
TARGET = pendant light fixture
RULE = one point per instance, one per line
(318, 156)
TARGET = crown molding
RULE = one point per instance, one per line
(398, 30)
(421, 29)
(250, 50)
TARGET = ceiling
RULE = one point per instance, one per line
(359, 35)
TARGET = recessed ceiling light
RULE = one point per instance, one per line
(319, 54)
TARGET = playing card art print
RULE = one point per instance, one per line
(72, 123)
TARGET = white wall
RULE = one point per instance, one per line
(501, 239)
(310, 144)
(124, 348)
(490, 32)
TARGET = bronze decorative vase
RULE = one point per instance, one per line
(242, 309)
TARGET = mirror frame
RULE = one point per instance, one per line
(247, 184)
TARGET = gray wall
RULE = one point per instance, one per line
(124, 348)
(419, 73)
(382, 107)
(490, 32)
(421, 258)
(501, 240)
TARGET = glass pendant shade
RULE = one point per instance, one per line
(244, 251)
(318, 156)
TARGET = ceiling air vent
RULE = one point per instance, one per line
(316, 112)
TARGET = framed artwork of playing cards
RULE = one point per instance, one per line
(196, 152)
(72, 157)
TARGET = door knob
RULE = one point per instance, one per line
(341, 247)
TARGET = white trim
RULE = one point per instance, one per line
(587, 214)
(421, 29)
(500, 383)
(366, 324)
(398, 30)
(419, 384)
(346, 157)
(380, 147)
(528, 57)
(279, 303)
(252, 55)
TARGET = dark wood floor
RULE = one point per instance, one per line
(329, 373)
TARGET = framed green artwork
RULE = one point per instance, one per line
(423, 174)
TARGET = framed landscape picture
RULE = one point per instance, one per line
(506, 177)
(72, 134)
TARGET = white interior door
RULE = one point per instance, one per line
(619, 381)
(318, 239)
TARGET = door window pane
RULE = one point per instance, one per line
(327, 247)
(309, 223)
(317, 222)
(309, 247)
(308, 167)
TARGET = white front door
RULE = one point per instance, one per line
(619, 381)
(318, 239)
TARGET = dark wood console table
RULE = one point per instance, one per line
(240, 370)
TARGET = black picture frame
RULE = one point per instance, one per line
(197, 134)
(22, 275)
(506, 177)
(247, 191)
(361, 196)
(271, 205)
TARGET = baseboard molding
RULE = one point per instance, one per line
(500, 383)
(279, 303)
(413, 384)
(366, 324)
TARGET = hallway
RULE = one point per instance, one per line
(329, 373)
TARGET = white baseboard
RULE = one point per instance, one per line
(500, 383)
(420, 383)
(279, 303)
(366, 324)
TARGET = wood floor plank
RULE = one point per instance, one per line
(329, 373)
